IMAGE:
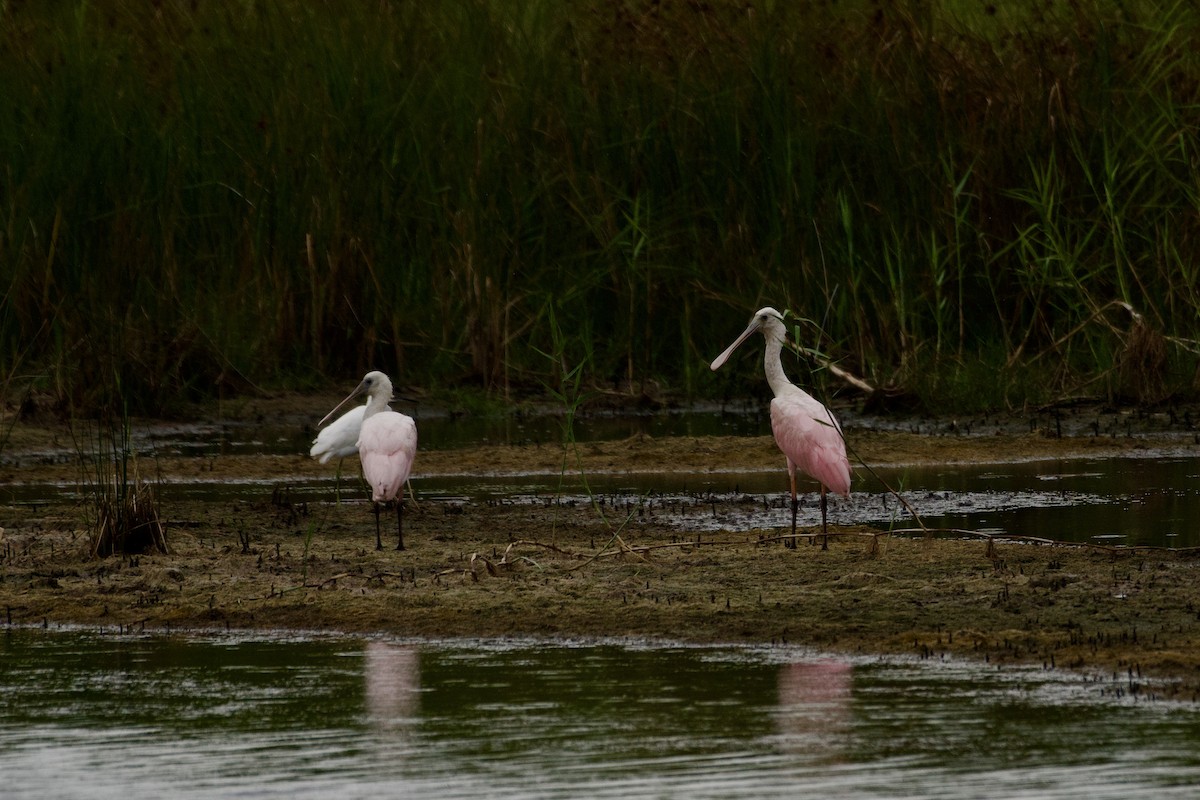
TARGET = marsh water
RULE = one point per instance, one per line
(1147, 501)
(107, 716)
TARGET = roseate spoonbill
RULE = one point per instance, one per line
(387, 445)
(805, 430)
(339, 440)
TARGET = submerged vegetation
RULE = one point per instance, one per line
(977, 204)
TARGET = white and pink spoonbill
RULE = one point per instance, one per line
(387, 445)
(805, 430)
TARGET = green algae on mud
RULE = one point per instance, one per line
(544, 566)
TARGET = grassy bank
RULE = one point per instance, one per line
(979, 205)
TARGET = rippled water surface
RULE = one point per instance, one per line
(84, 715)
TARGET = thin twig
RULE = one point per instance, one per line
(327, 581)
(1040, 540)
(544, 545)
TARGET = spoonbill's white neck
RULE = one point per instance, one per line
(772, 361)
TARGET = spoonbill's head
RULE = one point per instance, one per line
(375, 385)
(767, 320)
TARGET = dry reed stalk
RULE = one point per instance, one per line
(127, 519)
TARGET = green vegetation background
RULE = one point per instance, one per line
(977, 204)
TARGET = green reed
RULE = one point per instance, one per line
(201, 198)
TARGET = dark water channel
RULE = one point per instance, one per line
(87, 715)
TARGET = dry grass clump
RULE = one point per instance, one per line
(127, 520)
(123, 516)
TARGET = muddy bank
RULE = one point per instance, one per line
(543, 567)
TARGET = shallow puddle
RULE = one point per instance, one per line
(1149, 502)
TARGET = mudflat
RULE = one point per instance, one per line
(557, 567)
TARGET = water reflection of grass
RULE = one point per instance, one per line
(212, 197)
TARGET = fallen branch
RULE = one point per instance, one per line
(437, 576)
(491, 568)
(616, 537)
(544, 545)
(327, 581)
(845, 375)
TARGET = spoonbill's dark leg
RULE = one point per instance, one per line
(378, 540)
(795, 502)
(795, 509)
(824, 527)
(400, 524)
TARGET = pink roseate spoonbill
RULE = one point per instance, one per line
(387, 445)
(805, 430)
(339, 440)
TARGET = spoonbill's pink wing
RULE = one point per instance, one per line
(808, 434)
(387, 446)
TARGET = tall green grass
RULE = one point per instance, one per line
(200, 197)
